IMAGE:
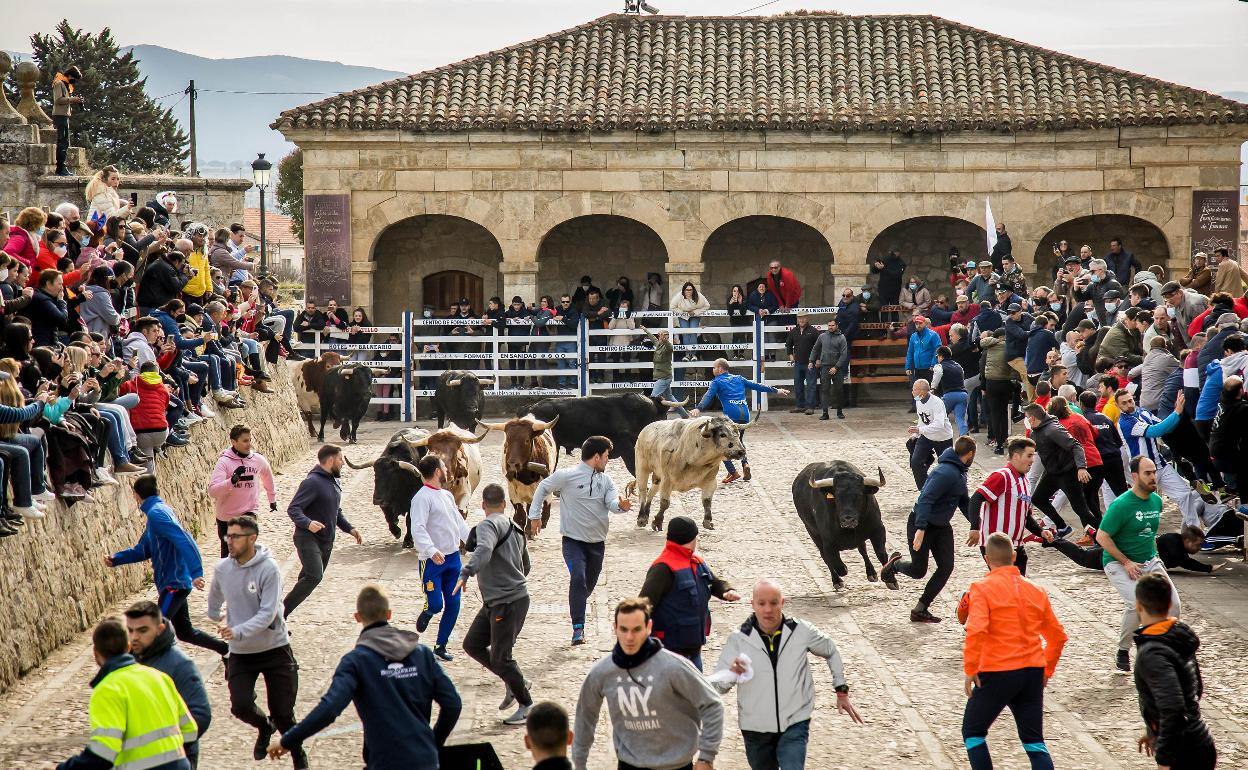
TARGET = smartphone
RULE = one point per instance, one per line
(134, 199)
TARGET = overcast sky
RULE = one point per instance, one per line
(1198, 43)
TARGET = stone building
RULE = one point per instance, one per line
(702, 147)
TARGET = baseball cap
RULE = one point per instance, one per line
(1072, 258)
(970, 265)
(918, 318)
(962, 298)
(1014, 308)
(1170, 288)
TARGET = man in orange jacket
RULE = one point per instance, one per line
(1004, 662)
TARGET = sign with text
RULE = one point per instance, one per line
(327, 260)
(1215, 219)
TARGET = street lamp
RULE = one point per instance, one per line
(260, 173)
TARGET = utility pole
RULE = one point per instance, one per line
(190, 91)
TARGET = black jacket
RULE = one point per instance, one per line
(891, 276)
(944, 492)
(47, 315)
(1058, 450)
(1000, 249)
(1167, 677)
(800, 341)
(160, 283)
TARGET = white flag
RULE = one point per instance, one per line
(990, 225)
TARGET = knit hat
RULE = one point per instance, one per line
(681, 530)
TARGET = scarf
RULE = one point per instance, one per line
(151, 378)
(648, 650)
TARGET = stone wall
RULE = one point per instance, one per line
(53, 583)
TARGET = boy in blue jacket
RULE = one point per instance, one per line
(175, 563)
(394, 682)
(730, 389)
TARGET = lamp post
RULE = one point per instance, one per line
(260, 173)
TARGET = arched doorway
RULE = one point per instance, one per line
(739, 251)
(924, 244)
(1139, 236)
(602, 246)
(463, 253)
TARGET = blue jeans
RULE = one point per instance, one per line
(955, 404)
(688, 323)
(23, 457)
(566, 363)
(663, 389)
(805, 385)
(116, 445)
(584, 562)
(778, 751)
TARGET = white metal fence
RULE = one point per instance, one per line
(571, 362)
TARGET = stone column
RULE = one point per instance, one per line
(8, 115)
(519, 278)
(679, 272)
(849, 276)
(27, 78)
(362, 285)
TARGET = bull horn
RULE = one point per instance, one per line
(538, 467)
(350, 464)
(455, 383)
(540, 426)
(872, 482)
(485, 380)
(821, 483)
(492, 426)
(422, 441)
(477, 439)
(674, 404)
(408, 467)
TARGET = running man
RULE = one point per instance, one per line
(1128, 534)
(236, 481)
(1003, 659)
(316, 510)
(932, 432)
(730, 389)
(1007, 495)
(437, 530)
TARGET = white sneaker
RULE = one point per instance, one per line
(44, 497)
(224, 396)
(104, 477)
(191, 418)
(30, 513)
(206, 411)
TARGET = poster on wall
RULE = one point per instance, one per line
(1215, 218)
(327, 258)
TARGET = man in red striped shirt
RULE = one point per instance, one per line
(1003, 502)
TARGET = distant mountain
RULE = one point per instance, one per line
(232, 128)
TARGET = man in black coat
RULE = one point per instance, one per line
(891, 270)
(1001, 248)
(162, 280)
(1167, 678)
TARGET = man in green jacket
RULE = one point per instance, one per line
(663, 368)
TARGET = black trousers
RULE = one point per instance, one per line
(61, 123)
(1068, 482)
(1084, 557)
(1115, 475)
(832, 388)
(938, 543)
(1092, 492)
(281, 684)
(1022, 692)
(314, 556)
(491, 638)
(222, 526)
(625, 766)
(997, 394)
(173, 606)
(1020, 557)
(922, 455)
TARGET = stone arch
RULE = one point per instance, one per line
(405, 205)
(603, 246)
(626, 205)
(1143, 238)
(738, 251)
(421, 245)
(715, 213)
(924, 243)
(899, 208)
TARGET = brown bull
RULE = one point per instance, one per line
(458, 449)
(309, 376)
(529, 455)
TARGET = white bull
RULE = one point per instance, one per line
(679, 455)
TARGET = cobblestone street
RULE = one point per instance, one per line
(906, 679)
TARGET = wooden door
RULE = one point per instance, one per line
(441, 289)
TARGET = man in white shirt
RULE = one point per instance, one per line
(437, 530)
(932, 432)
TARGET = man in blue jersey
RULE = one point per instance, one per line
(730, 389)
(1141, 429)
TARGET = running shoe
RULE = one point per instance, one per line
(43, 497)
(1123, 662)
(578, 635)
(509, 699)
(1085, 541)
(422, 621)
(731, 477)
(923, 616)
(889, 574)
(1064, 532)
(519, 717)
(440, 653)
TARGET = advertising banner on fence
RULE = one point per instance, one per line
(1215, 219)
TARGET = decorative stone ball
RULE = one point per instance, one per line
(6, 62)
(27, 73)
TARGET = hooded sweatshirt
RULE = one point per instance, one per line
(244, 497)
(394, 682)
(1167, 678)
(662, 710)
(174, 555)
(944, 492)
(164, 655)
(98, 313)
(136, 345)
(500, 561)
(252, 594)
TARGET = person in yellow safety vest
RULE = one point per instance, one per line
(138, 720)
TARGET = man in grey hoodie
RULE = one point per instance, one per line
(500, 562)
(830, 356)
(662, 711)
(249, 583)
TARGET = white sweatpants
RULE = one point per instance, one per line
(1196, 512)
(1118, 578)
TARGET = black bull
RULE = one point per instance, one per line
(458, 398)
(345, 395)
(618, 417)
(395, 480)
(837, 505)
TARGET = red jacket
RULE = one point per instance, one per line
(153, 400)
(1240, 309)
(47, 261)
(789, 292)
(20, 247)
(1081, 430)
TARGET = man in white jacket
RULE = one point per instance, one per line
(766, 658)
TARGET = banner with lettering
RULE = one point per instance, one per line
(327, 257)
(1215, 220)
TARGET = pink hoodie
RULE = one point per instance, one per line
(231, 500)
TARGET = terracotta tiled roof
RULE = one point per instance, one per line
(277, 227)
(820, 71)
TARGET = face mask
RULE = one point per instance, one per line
(866, 295)
(1111, 307)
(427, 314)
(84, 240)
(39, 233)
(1171, 312)
(4, 274)
(60, 250)
(1096, 278)
(1055, 306)
(913, 286)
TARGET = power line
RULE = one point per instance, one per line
(275, 93)
(755, 8)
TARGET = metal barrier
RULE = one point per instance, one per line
(577, 362)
